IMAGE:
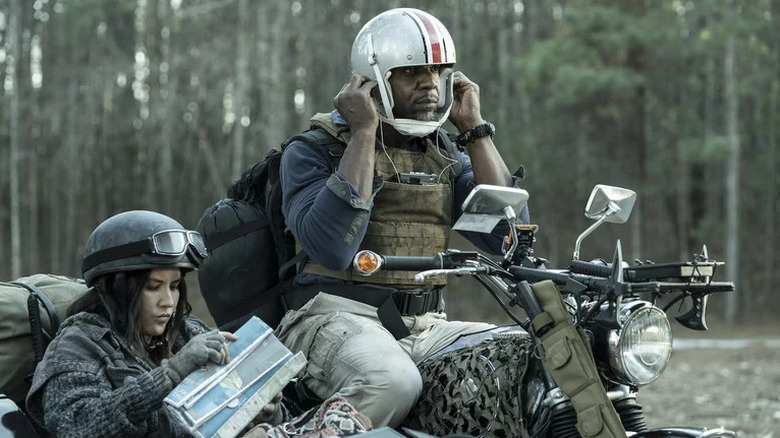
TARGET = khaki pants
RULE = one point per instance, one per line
(353, 356)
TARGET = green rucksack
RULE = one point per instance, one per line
(31, 309)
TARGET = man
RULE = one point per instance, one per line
(397, 190)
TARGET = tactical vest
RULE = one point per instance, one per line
(406, 219)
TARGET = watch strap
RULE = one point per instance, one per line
(479, 131)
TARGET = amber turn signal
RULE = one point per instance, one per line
(366, 262)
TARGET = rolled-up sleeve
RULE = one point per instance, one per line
(321, 208)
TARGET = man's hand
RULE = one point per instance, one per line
(355, 104)
(488, 166)
(465, 113)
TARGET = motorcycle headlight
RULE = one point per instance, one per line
(640, 350)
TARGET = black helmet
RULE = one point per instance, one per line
(140, 239)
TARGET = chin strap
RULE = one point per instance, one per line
(380, 79)
(414, 128)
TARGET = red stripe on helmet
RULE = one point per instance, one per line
(434, 38)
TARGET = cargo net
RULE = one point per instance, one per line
(474, 390)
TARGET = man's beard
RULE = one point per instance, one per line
(426, 116)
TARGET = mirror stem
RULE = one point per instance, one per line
(611, 209)
(511, 218)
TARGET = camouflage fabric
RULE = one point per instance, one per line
(475, 390)
(334, 417)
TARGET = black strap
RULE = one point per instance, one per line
(234, 233)
(417, 302)
(376, 296)
(115, 253)
(300, 257)
(36, 332)
(34, 314)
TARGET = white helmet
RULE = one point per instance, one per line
(405, 37)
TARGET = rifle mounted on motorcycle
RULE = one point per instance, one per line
(595, 331)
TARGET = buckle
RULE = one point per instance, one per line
(417, 302)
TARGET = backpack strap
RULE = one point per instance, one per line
(319, 137)
(34, 314)
(315, 138)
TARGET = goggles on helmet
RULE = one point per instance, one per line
(163, 243)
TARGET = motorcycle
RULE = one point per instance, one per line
(511, 390)
(615, 306)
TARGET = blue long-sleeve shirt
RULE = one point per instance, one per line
(329, 219)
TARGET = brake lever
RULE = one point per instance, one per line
(420, 277)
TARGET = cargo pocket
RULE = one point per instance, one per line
(327, 342)
(589, 421)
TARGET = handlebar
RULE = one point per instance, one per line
(590, 268)
(583, 276)
(414, 263)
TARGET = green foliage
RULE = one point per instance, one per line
(714, 150)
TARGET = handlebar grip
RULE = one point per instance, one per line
(414, 263)
(533, 275)
(589, 268)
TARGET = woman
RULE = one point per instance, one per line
(129, 339)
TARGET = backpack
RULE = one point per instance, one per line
(251, 256)
(31, 309)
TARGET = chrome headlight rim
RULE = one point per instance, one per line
(641, 349)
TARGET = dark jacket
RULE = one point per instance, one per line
(90, 383)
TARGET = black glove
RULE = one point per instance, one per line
(200, 350)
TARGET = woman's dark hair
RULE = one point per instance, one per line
(116, 297)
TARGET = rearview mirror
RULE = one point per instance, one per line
(614, 202)
(486, 205)
(606, 204)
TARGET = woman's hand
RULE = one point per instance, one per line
(209, 347)
(270, 414)
(256, 432)
(229, 337)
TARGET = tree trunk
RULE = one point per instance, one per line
(241, 89)
(167, 118)
(732, 179)
(770, 273)
(683, 189)
(648, 138)
(71, 167)
(15, 42)
(271, 48)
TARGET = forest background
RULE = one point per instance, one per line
(110, 105)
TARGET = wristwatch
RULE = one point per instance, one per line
(476, 132)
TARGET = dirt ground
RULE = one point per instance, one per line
(735, 388)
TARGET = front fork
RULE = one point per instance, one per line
(548, 407)
(554, 412)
